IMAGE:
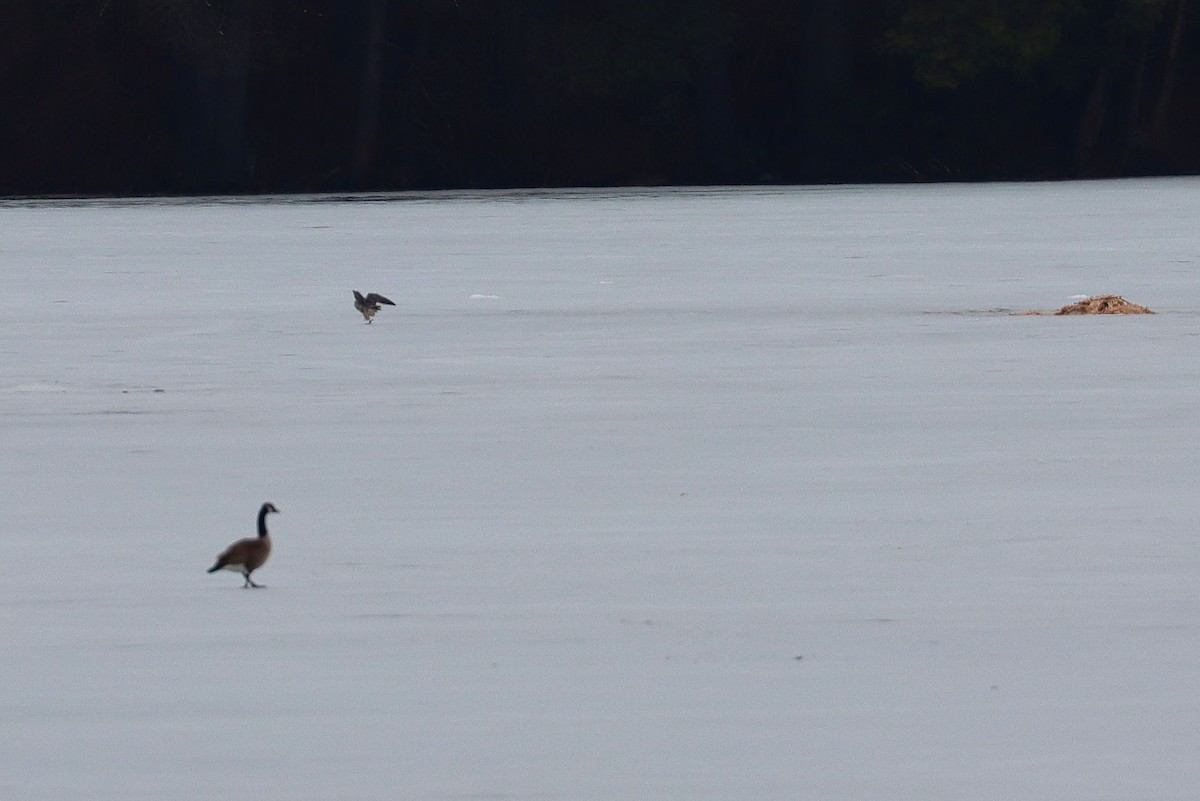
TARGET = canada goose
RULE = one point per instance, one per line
(370, 304)
(246, 556)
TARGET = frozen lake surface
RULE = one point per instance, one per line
(657, 495)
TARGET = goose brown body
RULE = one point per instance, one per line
(370, 304)
(247, 555)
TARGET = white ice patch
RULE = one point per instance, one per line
(36, 386)
(712, 533)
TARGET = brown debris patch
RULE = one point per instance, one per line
(1099, 304)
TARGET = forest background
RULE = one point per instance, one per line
(119, 97)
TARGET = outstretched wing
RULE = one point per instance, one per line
(376, 298)
(358, 298)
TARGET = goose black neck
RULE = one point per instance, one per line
(262, 522)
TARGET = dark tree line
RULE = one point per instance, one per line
(159, 96)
